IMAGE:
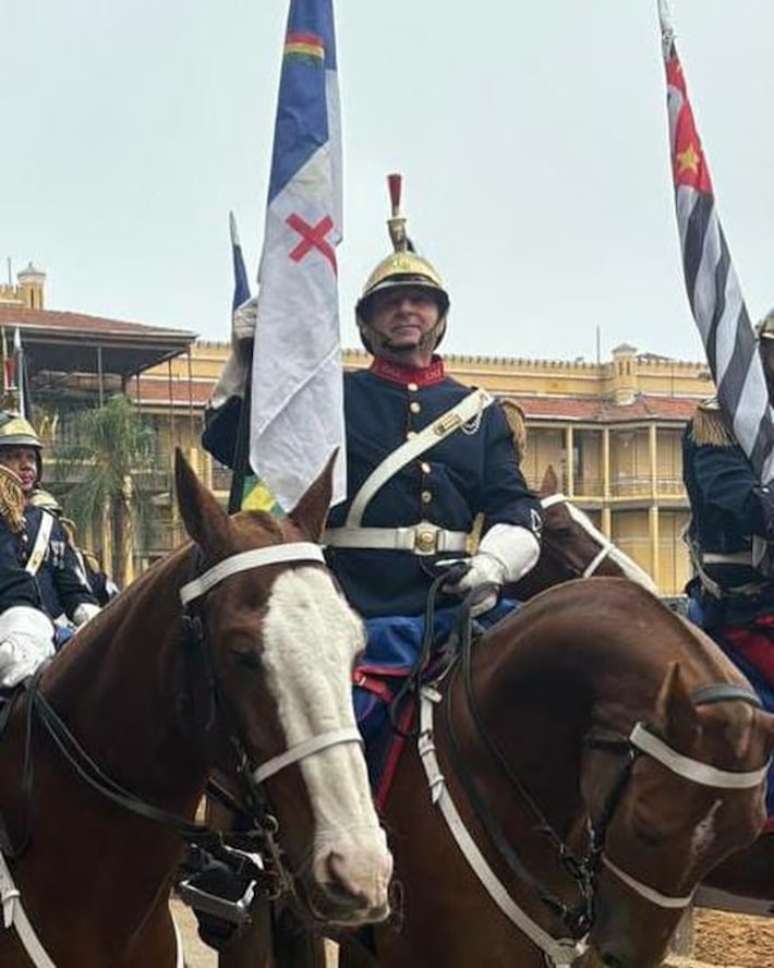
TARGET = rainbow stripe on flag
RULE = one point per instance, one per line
(305, 47)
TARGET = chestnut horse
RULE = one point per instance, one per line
(593, 708)
(238, 639)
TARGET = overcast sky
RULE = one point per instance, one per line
(532, 136)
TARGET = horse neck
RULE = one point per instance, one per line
(118, 687)
(575, 658)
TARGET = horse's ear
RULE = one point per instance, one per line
(311, 511)
(550, 483)
(204, 519)
(675, 709)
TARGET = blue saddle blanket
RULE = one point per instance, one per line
(393, 646)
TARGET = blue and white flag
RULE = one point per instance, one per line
(297, 413)
(241, 285)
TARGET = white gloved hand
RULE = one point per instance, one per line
(233, 376)
(84, 613)
(26, 640)
(244, 320)
(506, 553)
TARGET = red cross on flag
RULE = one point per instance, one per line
(297, 412)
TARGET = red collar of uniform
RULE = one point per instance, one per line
(423, 376)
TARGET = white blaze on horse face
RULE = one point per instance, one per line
(310, 639)
(704, 832)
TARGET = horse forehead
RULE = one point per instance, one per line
(305, 606)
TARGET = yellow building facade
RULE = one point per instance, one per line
(610, 430)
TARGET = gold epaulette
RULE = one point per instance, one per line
(708, 427)
(518, 427)
(11, 499)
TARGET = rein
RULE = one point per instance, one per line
(643, 740)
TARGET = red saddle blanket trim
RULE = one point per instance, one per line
(381, 688)
(398, 744)
(755, 644)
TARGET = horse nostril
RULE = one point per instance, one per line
(336, 868)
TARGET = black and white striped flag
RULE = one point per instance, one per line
(713, 287)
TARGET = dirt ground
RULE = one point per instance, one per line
(722, 941)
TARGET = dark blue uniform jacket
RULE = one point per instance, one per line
(448, 485)
(728, 506)
(59, 585)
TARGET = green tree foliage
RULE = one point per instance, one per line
(112, 450)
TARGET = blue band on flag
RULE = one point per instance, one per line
(302, 108)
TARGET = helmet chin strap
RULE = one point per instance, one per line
(428, 341)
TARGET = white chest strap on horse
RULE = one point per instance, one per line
(424, 538)
(562, 952)
(15, 916)
(39, 548)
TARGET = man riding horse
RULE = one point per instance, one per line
(425, 455)
(40, 578)
(730, 535)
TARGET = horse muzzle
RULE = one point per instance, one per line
(349, 883)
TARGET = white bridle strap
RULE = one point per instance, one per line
(655, 897)
(684, 766)
(606, 545)
(559, 951)
(349, 734)
(257, 558)
(551, 500)
(592, 566)
(15, 915)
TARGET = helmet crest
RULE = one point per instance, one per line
(403, 267)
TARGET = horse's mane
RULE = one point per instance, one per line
(612, 597)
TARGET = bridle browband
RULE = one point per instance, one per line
(260, 558)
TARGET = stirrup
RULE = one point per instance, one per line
(235, 881)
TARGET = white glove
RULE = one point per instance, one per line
(244, 320)
(26, 640)
(506, 553)
(233, 376)
(84, 613)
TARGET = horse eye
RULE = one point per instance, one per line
(247, 657)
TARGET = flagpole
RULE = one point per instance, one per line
(241, 462)
(241, 459)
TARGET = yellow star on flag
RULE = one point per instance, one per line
(688, 160)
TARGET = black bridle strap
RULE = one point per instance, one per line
(94, 777)
(725, 692)
(491, 824)
(576, 918)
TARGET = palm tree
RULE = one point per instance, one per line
(114, 444)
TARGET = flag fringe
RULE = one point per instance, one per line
(708, 428)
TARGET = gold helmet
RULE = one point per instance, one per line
(765, 328)
(402, 267)
(16, 431)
